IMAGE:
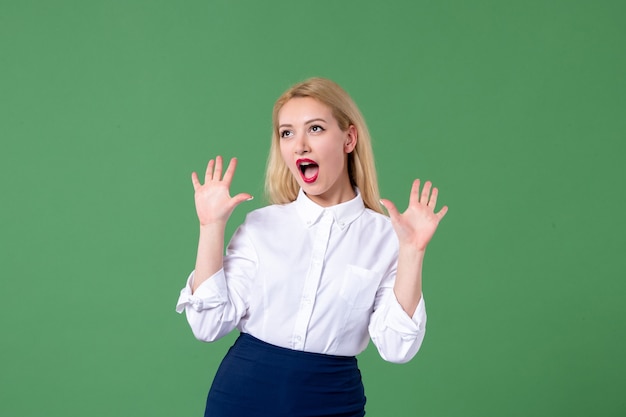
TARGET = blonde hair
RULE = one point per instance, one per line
(280, 185)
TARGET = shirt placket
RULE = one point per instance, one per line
(312, 280)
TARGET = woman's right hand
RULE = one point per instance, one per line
(214, 204)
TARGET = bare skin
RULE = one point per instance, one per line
(414, 229)
(214, 205)
(308, 128)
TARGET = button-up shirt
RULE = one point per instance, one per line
(310, 278)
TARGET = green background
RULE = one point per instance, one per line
(516, 110)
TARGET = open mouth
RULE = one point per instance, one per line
(308, 170)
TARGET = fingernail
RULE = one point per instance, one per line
(251, 198)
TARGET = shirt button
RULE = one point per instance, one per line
(298, 338)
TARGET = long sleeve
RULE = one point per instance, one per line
(219, 303)
(309, 278)
(397, 336)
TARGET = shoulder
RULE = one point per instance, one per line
(271, 227)
(372, 224)
(376, 220)
(376, 240)
(270, 215)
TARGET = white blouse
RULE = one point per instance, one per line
(309, 278)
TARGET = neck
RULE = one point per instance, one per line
(342, 195)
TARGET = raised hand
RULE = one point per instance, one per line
(213, 201)
(417, 225)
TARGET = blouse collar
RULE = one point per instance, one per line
(343, 213)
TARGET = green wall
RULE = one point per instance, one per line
(515, 109)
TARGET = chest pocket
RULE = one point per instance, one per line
(359, 287)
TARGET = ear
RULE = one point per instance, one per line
(351, 138)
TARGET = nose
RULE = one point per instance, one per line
(301, 145)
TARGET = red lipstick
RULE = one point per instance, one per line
(309, 170)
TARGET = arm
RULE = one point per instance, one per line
(414, 228)
(214, 205)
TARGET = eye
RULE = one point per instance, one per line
(285, 133)
(316, 129)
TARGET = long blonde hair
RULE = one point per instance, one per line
(280, 185)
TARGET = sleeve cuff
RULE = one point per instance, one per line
(399, 321)
(210, 294)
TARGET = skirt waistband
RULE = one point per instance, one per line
(246, 340)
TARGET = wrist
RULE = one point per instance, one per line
(212, 230)
(412, 249)
(221, 224)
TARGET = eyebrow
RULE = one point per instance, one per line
(317, 119)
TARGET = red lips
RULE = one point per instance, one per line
(309, 170)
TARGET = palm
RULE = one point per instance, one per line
(213, 201)
(417, 225)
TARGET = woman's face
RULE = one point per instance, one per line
(316, 150)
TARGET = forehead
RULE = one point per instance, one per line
(302, 109)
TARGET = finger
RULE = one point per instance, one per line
(391, 208)
(217, 173)
(240, 198)
(208, 175)
(414, 196)
(433, 198)
(425, 192)
(230, 171)
(441, 213)
(195, 181)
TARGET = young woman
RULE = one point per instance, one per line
(311, 278)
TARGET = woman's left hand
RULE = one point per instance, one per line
(417, 225)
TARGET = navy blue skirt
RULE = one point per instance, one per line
(257, 379)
